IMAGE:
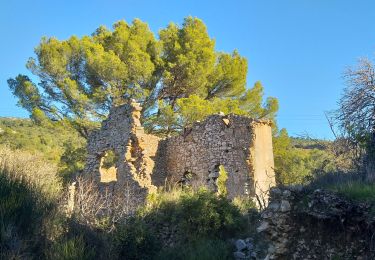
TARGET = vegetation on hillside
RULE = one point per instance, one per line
(48, 140)
(179, 78)
(181, 223)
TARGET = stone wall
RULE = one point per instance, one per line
(123, 135)
(316, 224)
(243, 146)
(142, 162)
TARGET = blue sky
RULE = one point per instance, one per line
(298, 49)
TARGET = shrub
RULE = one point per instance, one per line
(222, 181)
(136, 241)
(68, 249)
(195, 214)
(203, 249)
(244, 204)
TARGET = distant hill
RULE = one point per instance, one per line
(21, 133)
(309, 143)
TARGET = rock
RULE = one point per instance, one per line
(226, 121)
(239, 255)
(275, 191)
(274, 206)
(296, 188)
(249, 246)
(287, 193)
(285, 206)
(271, 249)
(213, 174)
(263, 227)
(249, 240)
(240, 245)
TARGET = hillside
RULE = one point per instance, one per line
(49, 140)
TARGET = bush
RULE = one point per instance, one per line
(136, 241)
(244, 204)
(68, 249)
(203, 249)
(222, 181)
(195, 215)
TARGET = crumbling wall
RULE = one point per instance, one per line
(262, 160)
(123, 157)
(230, 141)
(317, 224)
(123, 135)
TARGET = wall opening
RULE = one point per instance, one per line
(108, 167)
(187, 179)
(217, 180)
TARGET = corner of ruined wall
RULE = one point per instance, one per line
(262, 160)
(122, 133)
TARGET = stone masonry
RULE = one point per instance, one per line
(143, 162)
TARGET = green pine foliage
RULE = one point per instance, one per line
(173, 76)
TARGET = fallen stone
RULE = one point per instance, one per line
(263, 227)
(249, 246)
(287, 193)
(226, 121)
(240, 245)
(274, 206)
(239, 255)
(285, 206)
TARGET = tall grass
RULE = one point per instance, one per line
(350, 185)
(28, 187)
(35, 172)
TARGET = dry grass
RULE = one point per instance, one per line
(39, 174)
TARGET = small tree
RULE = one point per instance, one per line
(222, 181)
(356, 113)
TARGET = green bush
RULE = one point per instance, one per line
(72, 160)
(136, 241)
(244, 204)
(222, 181)
(46, 139)
(203, 249)
(70, 249)
(195, 214)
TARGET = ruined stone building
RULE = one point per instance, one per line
(122, 156)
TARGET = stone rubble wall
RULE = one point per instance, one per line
(243, 146)
(123, 134)
(306, 224)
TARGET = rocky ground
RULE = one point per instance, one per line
(311, 224)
